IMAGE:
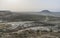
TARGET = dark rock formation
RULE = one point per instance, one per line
(45, 11)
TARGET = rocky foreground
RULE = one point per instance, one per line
(29, 29)
(30, 34)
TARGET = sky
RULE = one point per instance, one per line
(30, 5)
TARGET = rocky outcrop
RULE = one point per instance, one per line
(45, 11)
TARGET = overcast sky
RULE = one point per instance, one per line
(30, 5)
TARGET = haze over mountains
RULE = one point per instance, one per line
(43, 12)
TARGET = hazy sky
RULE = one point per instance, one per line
(30, 5)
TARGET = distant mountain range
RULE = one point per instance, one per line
(8, 15)
(43, 12)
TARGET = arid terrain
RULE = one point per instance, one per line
(24, 25)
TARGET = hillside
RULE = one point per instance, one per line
(8, 16)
